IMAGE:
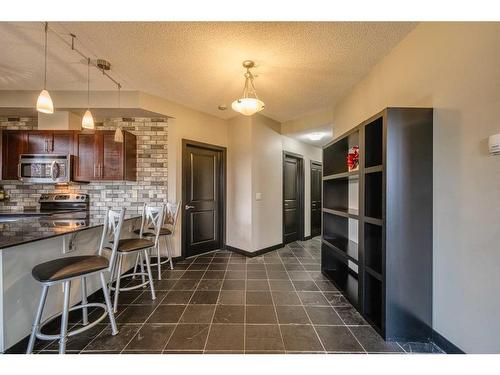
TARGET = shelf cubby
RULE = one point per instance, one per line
(374, 143)
(335, 154)
(373, 300)
(341, 272)
(336, 233)
(373, 195)
(373, 247)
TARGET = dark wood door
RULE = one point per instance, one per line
(111, 156)
(292, 198)
(85, 162)
(61, 142)
(13, 145)
(202, 199)
(38, 142)
(315, 199)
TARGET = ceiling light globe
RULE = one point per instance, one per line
(248, 106)
(44, 103)
(87, 120)
(315, 136)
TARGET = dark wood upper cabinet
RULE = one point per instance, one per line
(99, 157)
(85, 160)
(96, 155)
(13, 145)
(37, 142)
(112, 160)
(50, 142)
(61, 142)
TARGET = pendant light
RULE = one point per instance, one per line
(44, 103)
(88, 120)
(249, 103)
(118, 131)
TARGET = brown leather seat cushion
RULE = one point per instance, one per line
(132, 244)
(163, 232)
(65, 268)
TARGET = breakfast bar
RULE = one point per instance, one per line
(31, 240)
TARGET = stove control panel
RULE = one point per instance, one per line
(66, 197)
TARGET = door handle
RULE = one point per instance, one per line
(188, 207)
(54, 170)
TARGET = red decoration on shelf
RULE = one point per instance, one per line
(353, 158)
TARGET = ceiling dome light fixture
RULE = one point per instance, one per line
(249, 103)
(88, 120)
(315, 136)
(44, 103)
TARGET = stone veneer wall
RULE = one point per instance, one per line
(151, 184)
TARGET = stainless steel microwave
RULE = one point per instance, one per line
(45, 168)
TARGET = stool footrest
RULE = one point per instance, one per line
(74, 332)
(122, 289)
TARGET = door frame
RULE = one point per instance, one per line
(320, 164)
(301, 193)
(222, 192)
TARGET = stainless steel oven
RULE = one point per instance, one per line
(45, 169)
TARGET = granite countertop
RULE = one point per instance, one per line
(21, 230)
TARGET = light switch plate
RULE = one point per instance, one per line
(258, 196)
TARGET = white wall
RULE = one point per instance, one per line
(454, 68)
(239, 184)
(310, 153)
(267, 176)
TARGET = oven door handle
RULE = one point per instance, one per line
(19, 177)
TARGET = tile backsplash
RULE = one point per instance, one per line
(151, 184)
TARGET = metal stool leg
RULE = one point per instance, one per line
(109, 307)
(137, 257)
(168, 242)
(85, 313)
(158, 259)
(64, 318)
(148, 266)
(117, 284)
(143, 278)
(38, 318)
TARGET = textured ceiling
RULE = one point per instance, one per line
(301, 66)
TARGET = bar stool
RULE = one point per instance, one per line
(64, 271)
(168, 231)
(152, 219)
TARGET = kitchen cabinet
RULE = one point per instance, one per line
(13, 145)
(50, 142)
(99, 157)
(85, 160)
(96, 155)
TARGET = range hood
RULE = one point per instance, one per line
(59, 120)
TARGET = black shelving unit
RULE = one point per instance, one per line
(377, 221)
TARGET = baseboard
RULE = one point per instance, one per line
(252, 254)
(308, 237)
(444, 344)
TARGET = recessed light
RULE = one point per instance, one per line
(315, 136)
(222, 107)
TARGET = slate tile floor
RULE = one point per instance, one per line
(223, 302)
